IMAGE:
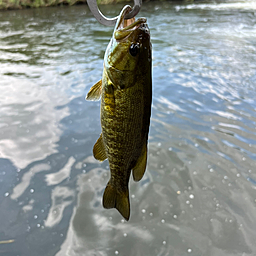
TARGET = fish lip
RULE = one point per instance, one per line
(120, 23)
(132, 26)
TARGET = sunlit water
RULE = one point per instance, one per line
(198, 196)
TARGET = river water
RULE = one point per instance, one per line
(198, 196)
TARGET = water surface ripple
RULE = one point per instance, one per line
(198, 196)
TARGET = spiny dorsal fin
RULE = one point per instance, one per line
(99, 151)
(140, 166)
(95, 91)
(113, 198)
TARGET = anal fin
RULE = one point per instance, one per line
(95, 91)
(99, 151)
(140, 166)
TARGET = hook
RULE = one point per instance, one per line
(112, 21)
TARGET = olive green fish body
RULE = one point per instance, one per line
(126, 95)
(125, 123)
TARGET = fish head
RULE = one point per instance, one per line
(128, 54)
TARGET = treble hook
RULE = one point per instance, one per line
(112, 21)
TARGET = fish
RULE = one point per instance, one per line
(126, 96)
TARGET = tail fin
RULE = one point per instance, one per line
(114, 198)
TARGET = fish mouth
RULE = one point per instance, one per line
(125, 27)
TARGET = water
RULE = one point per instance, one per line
(198, 195)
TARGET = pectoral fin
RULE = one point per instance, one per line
(95, 92)
(99, 151)
(140, 166)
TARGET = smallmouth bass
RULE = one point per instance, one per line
(126, 96)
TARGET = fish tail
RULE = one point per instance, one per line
(119, 199)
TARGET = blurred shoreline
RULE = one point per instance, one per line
(26, 4)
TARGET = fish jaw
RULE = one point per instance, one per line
(122, 32)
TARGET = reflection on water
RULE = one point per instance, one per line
(198, 194)
(26, 179)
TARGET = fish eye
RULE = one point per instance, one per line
(134, 49)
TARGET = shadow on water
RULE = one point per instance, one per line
(198, 194)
